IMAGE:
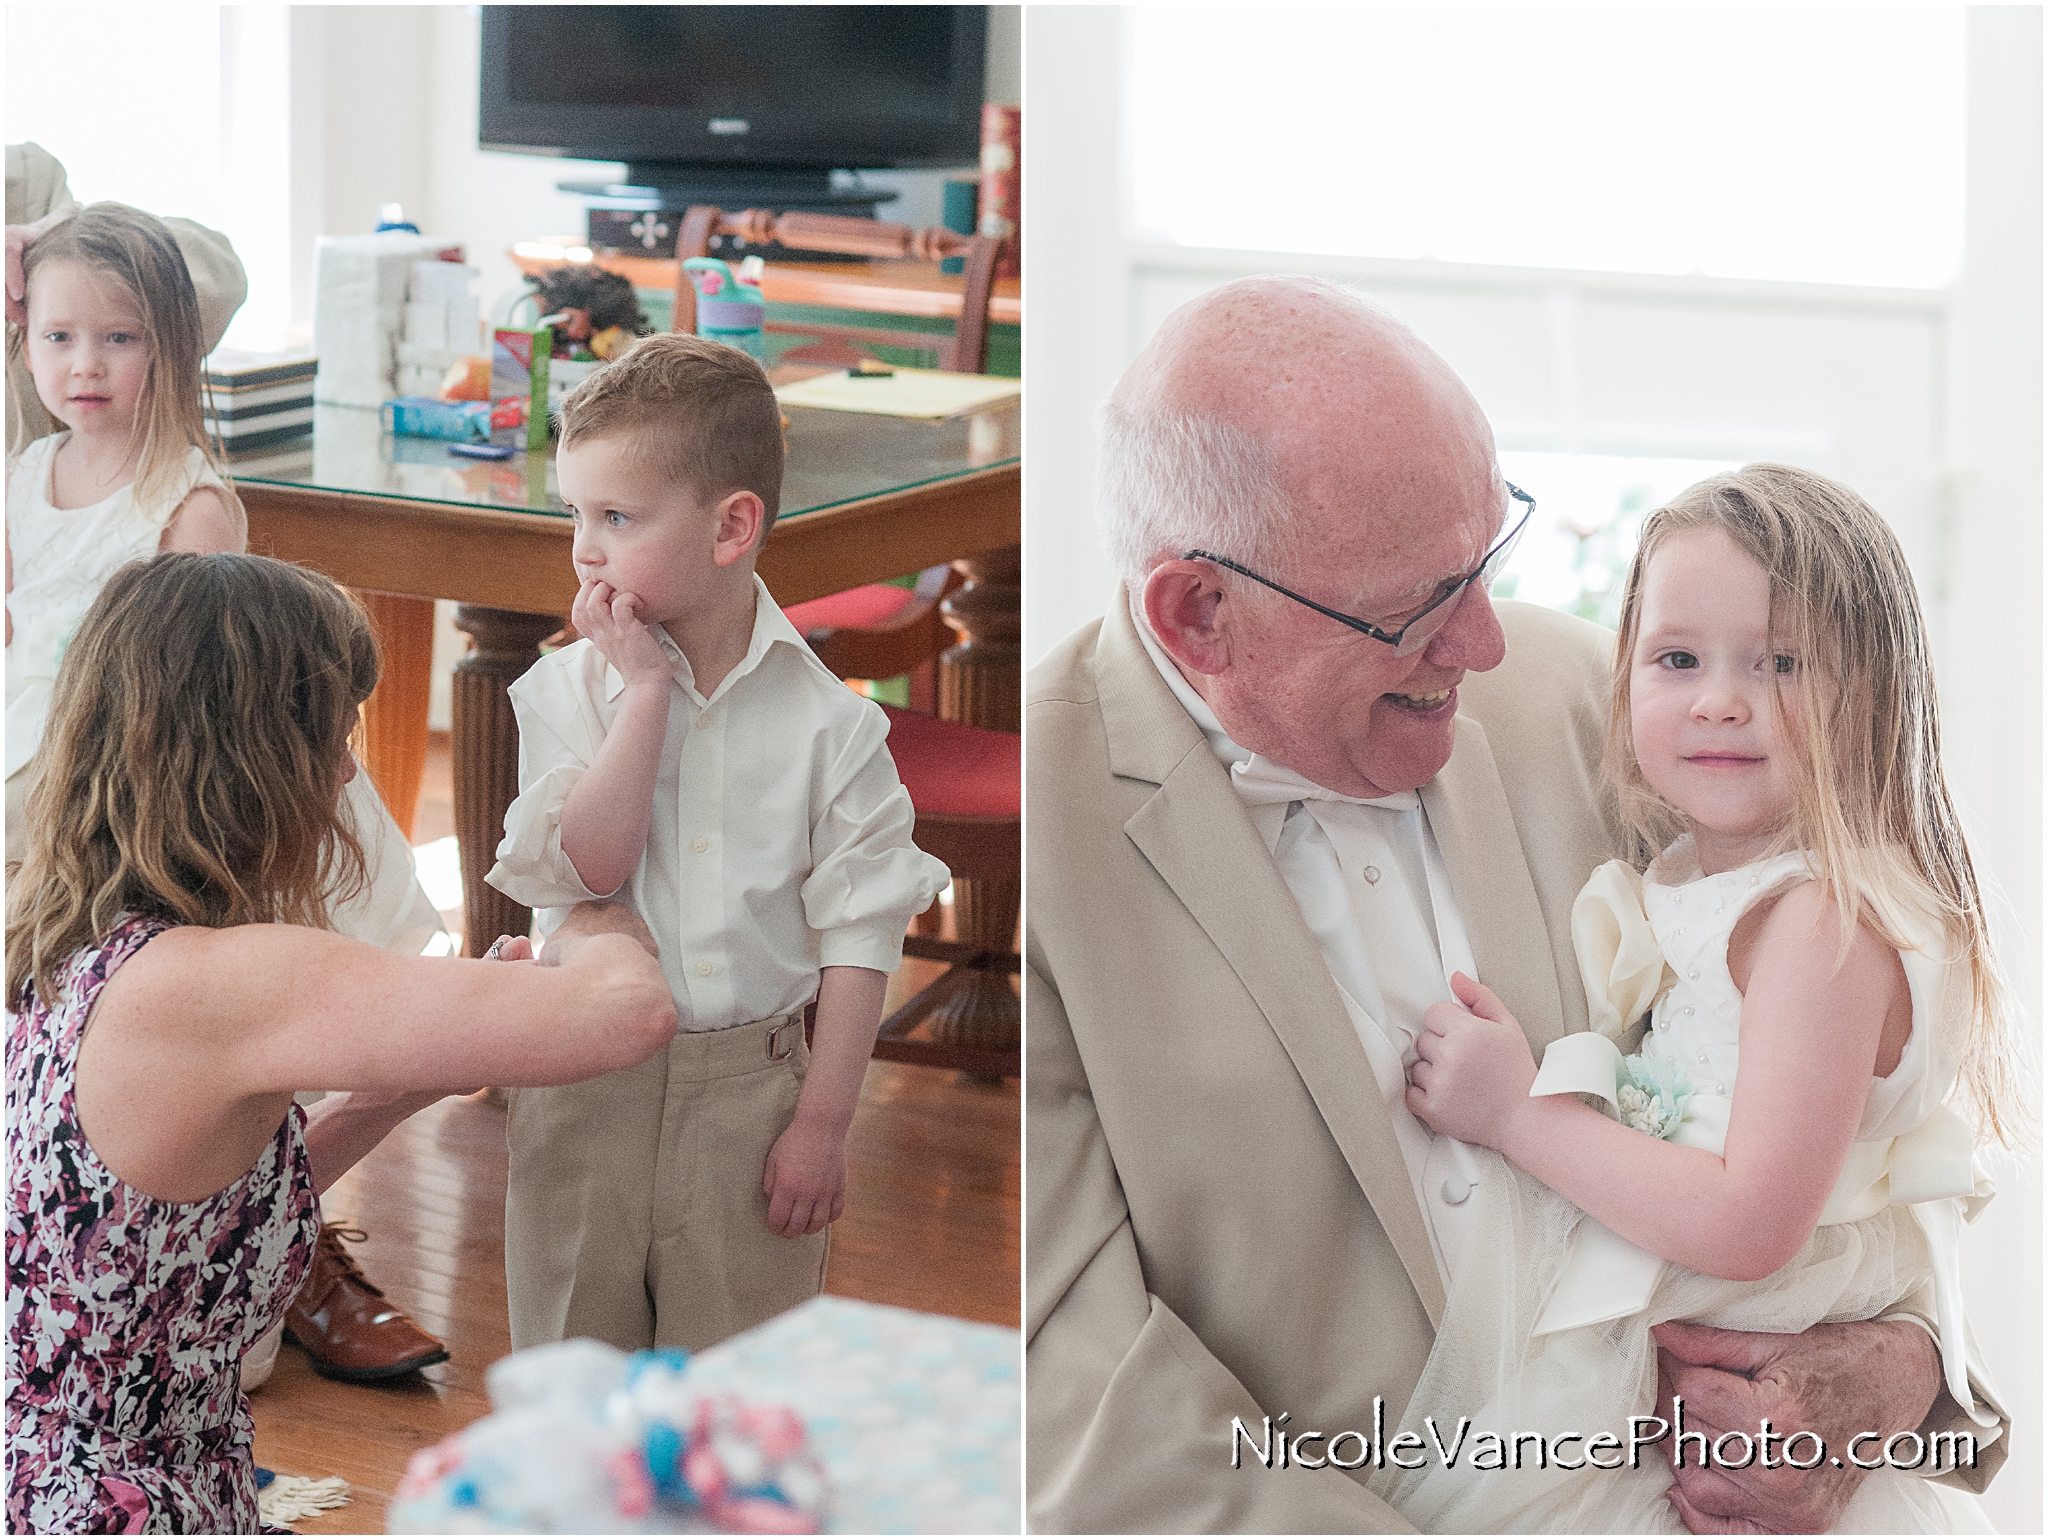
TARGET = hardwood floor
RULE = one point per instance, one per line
(932, 1223)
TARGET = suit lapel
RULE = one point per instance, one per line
(1482, 849)
(1191, 829)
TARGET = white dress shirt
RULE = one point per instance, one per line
(1375, 894)
(780, 839)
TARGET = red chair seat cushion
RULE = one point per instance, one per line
(858, 609)
(953, 769)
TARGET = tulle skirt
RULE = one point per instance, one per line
(1508, 1422)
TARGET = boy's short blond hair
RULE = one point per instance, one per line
(705, 411)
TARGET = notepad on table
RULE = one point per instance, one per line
(901, 393)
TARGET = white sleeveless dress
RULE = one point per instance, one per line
(62, 558)
(1559, 1340)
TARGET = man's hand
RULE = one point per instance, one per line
(1835, 1381)
(610, 619)
(596, 917)
(19, 239)
(1472, 1070)
(805, 1179)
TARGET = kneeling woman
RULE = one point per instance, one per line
(170, 984)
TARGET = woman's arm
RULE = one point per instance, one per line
(1810, 1036)
(344, 1127)
(211, 1031)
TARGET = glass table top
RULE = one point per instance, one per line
(834, 458)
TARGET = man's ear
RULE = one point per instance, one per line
(741, 518)
(1186, 607)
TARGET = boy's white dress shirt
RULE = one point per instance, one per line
(781, 837)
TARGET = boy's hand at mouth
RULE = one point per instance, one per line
(610, 619)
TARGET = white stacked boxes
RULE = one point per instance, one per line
(361, 285)
(442, 326)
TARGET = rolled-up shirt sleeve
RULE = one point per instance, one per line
(867, 879)
(532, 866)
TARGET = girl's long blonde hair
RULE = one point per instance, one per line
(1871, 807)
(139, 252)
(194, 758)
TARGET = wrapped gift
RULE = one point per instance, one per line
(840, 1415)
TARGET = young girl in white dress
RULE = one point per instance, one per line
(114, 344)
(1811, 948)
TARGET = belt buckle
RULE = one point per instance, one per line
(777, 1049)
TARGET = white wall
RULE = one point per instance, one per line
(1992, 683)
(1928, 402)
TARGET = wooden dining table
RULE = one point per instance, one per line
(403, 522)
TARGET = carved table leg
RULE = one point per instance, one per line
(503, 645)
(980, 681)
(395, 715)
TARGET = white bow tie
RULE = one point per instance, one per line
(1260, 781)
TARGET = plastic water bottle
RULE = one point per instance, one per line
(728, 309)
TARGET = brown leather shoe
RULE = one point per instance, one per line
(347, 1327)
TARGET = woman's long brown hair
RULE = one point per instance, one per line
(194, 758)
(1870, 805)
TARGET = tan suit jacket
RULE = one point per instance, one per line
(1220, 1220)
(1221, 1223)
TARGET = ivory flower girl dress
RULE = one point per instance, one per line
(1559, 1341)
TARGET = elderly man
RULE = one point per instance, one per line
(1259, 842)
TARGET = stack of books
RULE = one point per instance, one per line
(257, 403)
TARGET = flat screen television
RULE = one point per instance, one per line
(735, 101)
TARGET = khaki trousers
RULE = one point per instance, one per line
(634, 1212)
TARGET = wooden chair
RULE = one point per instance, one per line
(965, 783)
(882, 631)
(965, 352)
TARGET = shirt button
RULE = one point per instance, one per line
(1456, 1190)
(1694, 974)
(704, 972)
(703, 718)
(1723, 1090)
(705, 968)
(700, 844)
(1688, 1010)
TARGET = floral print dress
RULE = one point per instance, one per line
(127, 1316)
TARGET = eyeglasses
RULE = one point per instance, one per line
(1415, 634)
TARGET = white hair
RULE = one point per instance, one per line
(1169, 482)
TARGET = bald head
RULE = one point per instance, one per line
(1266, 410)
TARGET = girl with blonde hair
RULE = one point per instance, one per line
(114, 344)
(170, 984)
(1791, 1141)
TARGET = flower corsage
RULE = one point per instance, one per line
(1652, 1096)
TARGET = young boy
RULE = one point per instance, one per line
(692, 755)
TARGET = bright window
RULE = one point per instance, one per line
(1815, 143)
(178, 109)
(1589, 512)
